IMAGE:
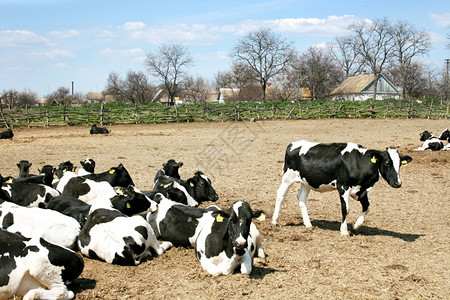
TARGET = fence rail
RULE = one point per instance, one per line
(143, 114)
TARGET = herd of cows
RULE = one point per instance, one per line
(47, 218)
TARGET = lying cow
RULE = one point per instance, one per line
(46, 176)
(430, 142)
(347, 167)
(98, 130)
(170, 168)
(26, 194)
(115, 176)
(221, 244)
(112, 236)
(7, 134)
(192, 191)
(445, 136)
(87, 167)
(69, 206)
(51, 225)
(36, 269)
(180, 224)
(24, 168)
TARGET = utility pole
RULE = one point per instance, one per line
(447, 61)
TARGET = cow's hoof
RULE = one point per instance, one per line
(345, 234)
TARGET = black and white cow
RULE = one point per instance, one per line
(87, 190)
(170, 168)
(26, 194)
(53, 226)
(46, 176)
(116, 238)
(7, 134)
(445, 136)
(87, 167)
(222, 243)
(177, 223)
(180, 224)
(347, 167)
(192, 191)
(430, 142)
(115, 176)
(64, 167)
(69, 206)
(36, 269)
(98, 130)
(24, 168)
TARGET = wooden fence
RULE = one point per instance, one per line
(142, 114)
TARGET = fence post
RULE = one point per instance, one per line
(176, 114)
(46, 116)
(430, 110)
(102, 106)
(136, 114)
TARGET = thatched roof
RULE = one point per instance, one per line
(354, 84)
(94, 96)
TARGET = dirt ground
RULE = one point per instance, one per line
(401, 252)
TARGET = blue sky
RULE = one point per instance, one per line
(46, 44)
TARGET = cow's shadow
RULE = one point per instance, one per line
(261, 272)
(364, 230)
(81, 284)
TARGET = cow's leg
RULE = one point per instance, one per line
(365, 209)
(302, 198)
(344, 194)
(246, 265)
(289, 177)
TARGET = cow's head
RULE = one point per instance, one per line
(171, 168)
(121, 176)
(389, 163)
(24, 167)
(425, 135)
(239, 218)
(131, 201)
(88, 165)
(170, 189)
(64, 167)
(202, 188)
(445, 135)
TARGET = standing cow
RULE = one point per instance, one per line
(347, 167)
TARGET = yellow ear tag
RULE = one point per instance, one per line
(191, 184)
(119, 191)
(9, 181)
(404, 162)
(262, 217)
(128, 205)
(374, 160)
(219, 218)
(111, 171)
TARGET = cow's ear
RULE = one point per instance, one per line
(180, 164)
(376, 157)
(260, 215)
(405, 159)
(192, 182)
(220, 216)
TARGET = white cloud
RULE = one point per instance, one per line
(329, 26)
(17, 69)
(19, 38)
(61, 66)
(123, 52)
(65, 34)
(58, 53)
(131, 26)
(442, 20)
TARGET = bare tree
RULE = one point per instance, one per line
(10, 98)
(169, 64)
(409, 43)
(196, 90)
(241, 77)
(27, 98)
(344, 52)
(265, 53)
(61, 96)
(135, 88)
(317, 70)
(374, 42)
